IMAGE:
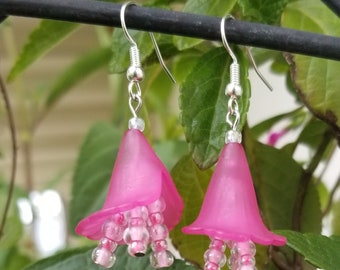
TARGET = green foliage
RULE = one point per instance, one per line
(191, 183)
(315, 79)
(264, 11)
(93, 171)
(81, 259)
(204, 105)
(46, 36)
(213, 8)
(288, 190)
(319, 250)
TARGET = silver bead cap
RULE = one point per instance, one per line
(233, 136)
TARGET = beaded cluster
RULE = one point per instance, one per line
(136, 228)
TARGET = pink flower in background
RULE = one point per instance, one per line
(275, 136)
(141, 206)
(230, 214)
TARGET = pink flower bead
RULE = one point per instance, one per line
(142, 198)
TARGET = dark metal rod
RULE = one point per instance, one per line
(177, 23)
(334, 5)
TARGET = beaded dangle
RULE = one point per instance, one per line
(229, 214)
(142, 204)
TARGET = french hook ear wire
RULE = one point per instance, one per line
(153, 39)
(250, 56)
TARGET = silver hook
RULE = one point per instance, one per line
(158, 52)
(250, 56)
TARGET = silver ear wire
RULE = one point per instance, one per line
(250, 56)
(134, 44)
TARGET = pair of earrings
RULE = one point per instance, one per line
(143, 204)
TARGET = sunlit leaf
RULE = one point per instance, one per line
(47, 35)
(265, 11)
(120, 46)
(203, 104)
(93, 171)
(315, 79)
(213, 8)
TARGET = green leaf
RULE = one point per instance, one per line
(12, 232)
(315, 79)
(264, 11)
(120, 46)
(47, 35)
(266, 125)
(81, 259)
(93, 171)
(80, 69)
(191, 183)
(11, 259)
(276, 178)
(170, 152)
(204, 104)
(213, 8)
(319, 250)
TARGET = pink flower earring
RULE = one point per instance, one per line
(229, 214)
(142, 203)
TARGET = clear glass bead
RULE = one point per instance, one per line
(137, 123)
(233, 136)
(103, 257)
(218, 244)
(138, 212)
(161, 259)
(215, 256)
(139, 233)
(137, 248)
(158, 232)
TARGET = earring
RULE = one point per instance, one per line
(142, 203)
(229, 214)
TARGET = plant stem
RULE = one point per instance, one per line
(305, 179)
(331, 197)
(14, 153)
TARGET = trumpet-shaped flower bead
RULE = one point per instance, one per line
(229, 211)
(141, 195)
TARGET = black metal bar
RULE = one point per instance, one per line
(177, 23)
(334, 5)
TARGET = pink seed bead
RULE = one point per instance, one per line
(108, 244)
(156, 218)
(159, 245)
(157, 206)
(158, 232)
(112, 230)
(211, 266)
(119, 219)
(138, 212)
(136, 222)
